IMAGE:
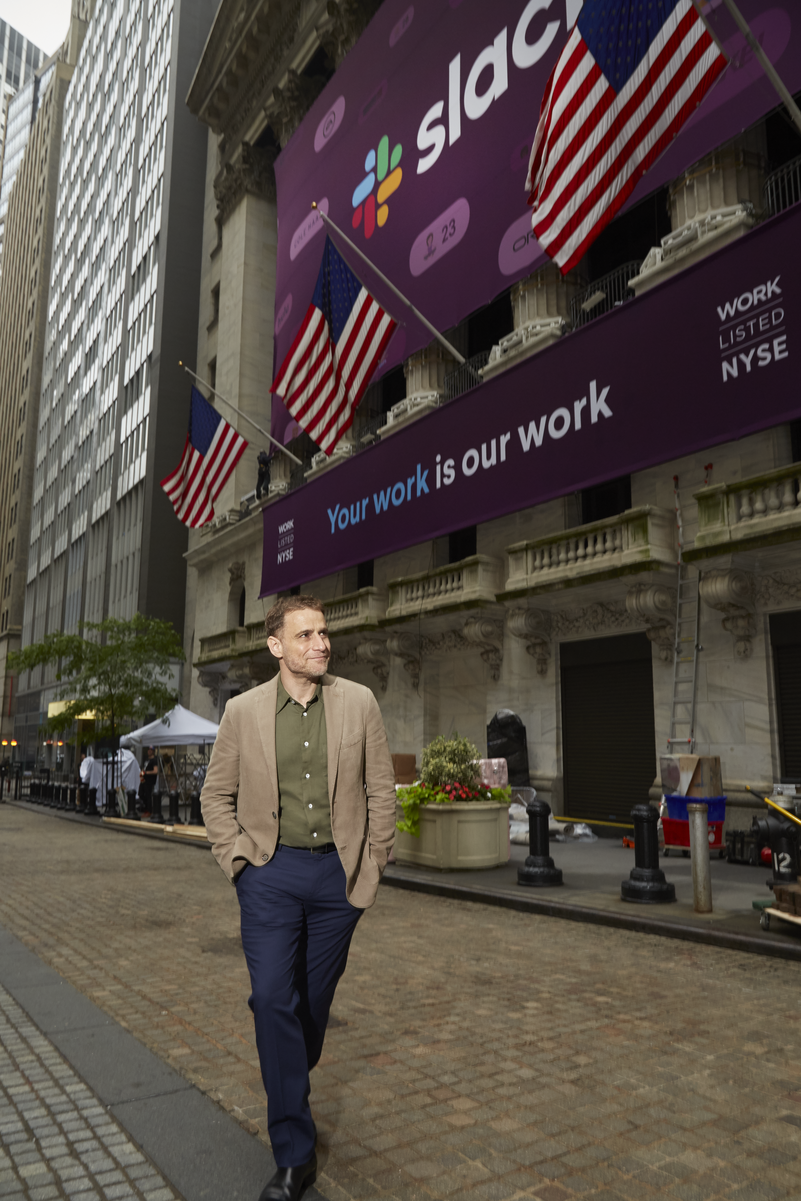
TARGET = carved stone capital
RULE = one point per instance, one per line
(533, 626)
(656, 605)
(732, 594)
(211, 680)
(407, 648)
(374, 651)
(343, 26)
(728, 591)
(249, 673)
(236, 572)
(487, 635)
(291, 103)
(252, 173)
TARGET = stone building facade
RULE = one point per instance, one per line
(565, 612)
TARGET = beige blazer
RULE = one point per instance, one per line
(240, 793)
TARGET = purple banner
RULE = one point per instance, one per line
(707, 356)
(419, 145)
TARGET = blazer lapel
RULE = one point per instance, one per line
(265, 718)
(334, 715)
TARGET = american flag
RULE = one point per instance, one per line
(211, 452)
(337, 348)
(632, 72)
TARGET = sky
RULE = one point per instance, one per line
(43, 22)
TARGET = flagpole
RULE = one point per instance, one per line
(460, 359)
(764, 62)
(244, 416)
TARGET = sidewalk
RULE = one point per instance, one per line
(475, 1053)
(78, 1108)
(592, 875)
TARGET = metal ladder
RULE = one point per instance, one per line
(685, 659)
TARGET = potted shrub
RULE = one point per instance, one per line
(448, 819)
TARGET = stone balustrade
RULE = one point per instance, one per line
(639, 538)
(357, 610)
(759, 511)
(222, 646)
(472, 581)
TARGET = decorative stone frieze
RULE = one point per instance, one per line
(253, 174)
(776, 591)
(533, 626)
(374, 652)
(595, 618)
(406, 647)
(732, 594)
(656, 605)
(236, 572)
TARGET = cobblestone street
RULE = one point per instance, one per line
(474, 1052)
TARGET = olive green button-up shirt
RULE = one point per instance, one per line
(301, 754)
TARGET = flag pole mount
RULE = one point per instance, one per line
(460, 359)
(244, 416)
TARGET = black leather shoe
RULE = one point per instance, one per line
(289, 1184)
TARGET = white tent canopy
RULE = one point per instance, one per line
(179, 727)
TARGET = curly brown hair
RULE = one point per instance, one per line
(274, 621)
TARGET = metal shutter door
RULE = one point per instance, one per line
(608, 743)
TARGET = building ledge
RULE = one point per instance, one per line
(692, 242)
(637, 540)
(529, 339)
(764, 510)
(473, 581)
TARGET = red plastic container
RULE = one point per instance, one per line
(677, 833)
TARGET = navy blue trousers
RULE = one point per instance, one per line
(296, 929)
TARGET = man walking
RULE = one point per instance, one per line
(299, 805)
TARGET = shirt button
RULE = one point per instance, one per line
(305, 744)
(311, 806)
(314, 835)
(265, 857)
(305, 715)
(275, 816)
(307, 775)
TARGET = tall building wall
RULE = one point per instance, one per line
(113, 413)
(22, 85)
(23, 314)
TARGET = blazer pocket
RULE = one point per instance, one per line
(354, 740)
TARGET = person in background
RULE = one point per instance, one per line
(148, 778)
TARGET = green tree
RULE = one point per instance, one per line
(117, 670)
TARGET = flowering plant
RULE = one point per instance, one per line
(449, 773)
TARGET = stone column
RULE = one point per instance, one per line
(540, 312)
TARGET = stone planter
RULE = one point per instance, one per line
(459, 836)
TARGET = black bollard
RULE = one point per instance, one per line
(111, 803)
(91, 803)
(646, 883)
(72, 804)
(175, 817)
(52, 796)
(82, 795)
(539, 871)
(195, 814)
(61, 790)
(155, 807)
(132, 815)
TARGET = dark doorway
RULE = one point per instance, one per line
(608, 746)
(785, 638)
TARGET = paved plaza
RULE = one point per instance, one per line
(475, 1052)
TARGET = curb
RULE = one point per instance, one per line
(635, 922)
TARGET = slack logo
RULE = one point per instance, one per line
(384, 170)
